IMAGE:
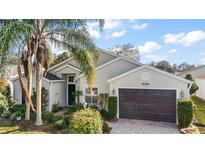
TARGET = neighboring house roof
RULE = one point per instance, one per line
(189, 70)
(201, 76)
(149, 67)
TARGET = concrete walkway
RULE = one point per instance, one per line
(129, 126)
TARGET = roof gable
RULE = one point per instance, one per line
(151, 68)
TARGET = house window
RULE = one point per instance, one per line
(71, 78)
(91, 95)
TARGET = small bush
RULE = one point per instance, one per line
(60, 124)
(95, 107)
(56, 107)
(67, 119)
(15, 115)
(87, 121)
(76, 107)
(106, 128)
(18, 108)
(48, 117)
(185, 113)
(105, 114)
(3, 104)
(7, 114)
(112, 107)
(57, 117)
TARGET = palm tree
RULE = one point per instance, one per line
(71, 35)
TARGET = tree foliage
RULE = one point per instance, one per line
(37, 36)
(166, 66)
(194, 86)
(128, 51)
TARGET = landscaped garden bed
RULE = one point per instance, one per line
(56, 122)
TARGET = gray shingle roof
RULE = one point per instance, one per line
(50, 76)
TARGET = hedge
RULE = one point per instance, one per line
(185, 109)
(112, 107)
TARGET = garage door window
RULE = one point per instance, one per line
(91, 95)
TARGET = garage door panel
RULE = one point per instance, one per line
(148, 104)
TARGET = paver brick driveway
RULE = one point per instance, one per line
(129, 126)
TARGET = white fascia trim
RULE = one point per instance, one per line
(17, 77)
(60, 63)
(52, 80)
(67, 65)
(149, 67)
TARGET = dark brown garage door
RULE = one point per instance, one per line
(148, 104)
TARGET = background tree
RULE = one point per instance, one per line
(163, 65)
(184, 66)
(194, 86)
(59, 58)
(166, 66)
(128, 51)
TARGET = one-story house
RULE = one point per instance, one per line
(142, 92)
(198, 74)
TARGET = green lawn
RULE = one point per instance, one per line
(7, 127)
(200, 112)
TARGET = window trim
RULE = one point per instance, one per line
(91, 95)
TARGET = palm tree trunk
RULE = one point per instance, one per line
(28, 105)
(38, 94)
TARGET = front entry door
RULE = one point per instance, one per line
(71, 98)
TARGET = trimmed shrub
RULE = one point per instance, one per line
(95, 107)
(56, 107)
(67, 119)
(76, 107)
(112, 107)
(57, 117)
(185, 110)
(106, 128)
(60, 124)
(105, 114)
(87, 121)
(18, 108)
(15, 115)
(3, 104)
(48, 117)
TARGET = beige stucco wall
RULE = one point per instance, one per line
(104, 58)
(58, 94)
(67, 70)
(17, 92)
(103, 74)
(156, 81)
(201, 83)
